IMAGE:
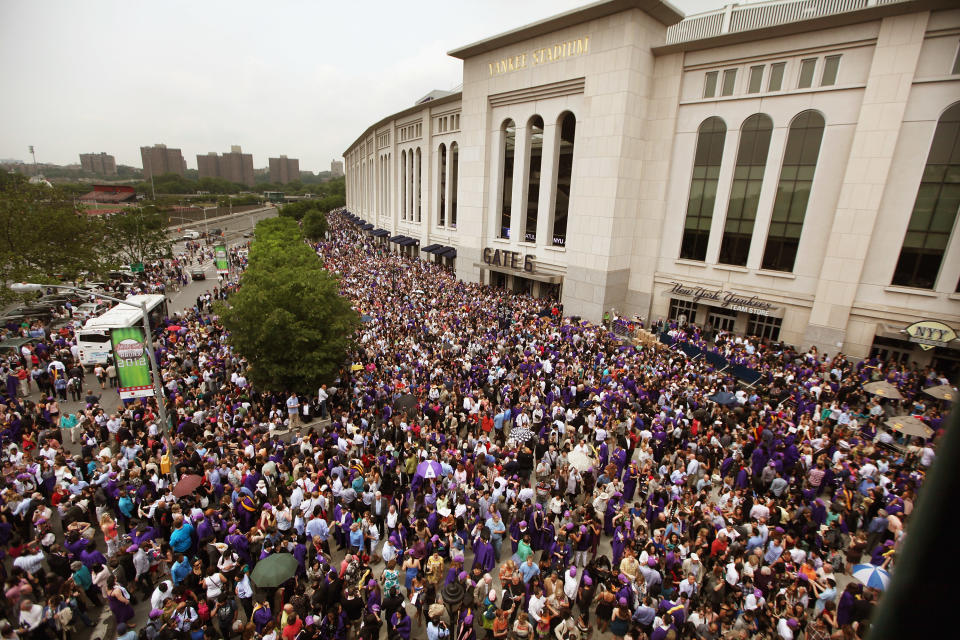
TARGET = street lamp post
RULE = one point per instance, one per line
(148, 341)
(206, 231)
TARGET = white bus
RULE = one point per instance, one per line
(93, 340)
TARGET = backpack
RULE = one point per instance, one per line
(226, 612)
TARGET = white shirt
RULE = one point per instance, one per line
(244, 590)
(536, 607)
(157, 598)
(784, 630)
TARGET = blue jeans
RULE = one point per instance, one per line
(496, 541)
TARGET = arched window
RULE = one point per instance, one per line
(442, 187)
(535, 137)
(793, 191)
(403, 185)
(567, 124)
(419, 175)
(454, 166)
(509, 135)
(410, 180)
(935, 209)
(703, 188)
(745, 191)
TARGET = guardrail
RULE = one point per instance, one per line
(737, 18)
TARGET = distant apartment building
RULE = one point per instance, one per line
(100, 163)
(234, 166)
(284, 170)
(159, 159)
(336, 168)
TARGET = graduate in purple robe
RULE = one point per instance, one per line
(630, 482)
(240, 545)
(618, 543)
(400, 625)
(483, 554)
(536, 529)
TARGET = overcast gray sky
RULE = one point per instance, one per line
(301, 78)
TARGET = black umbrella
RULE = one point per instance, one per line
(406, 401)
(724, 398)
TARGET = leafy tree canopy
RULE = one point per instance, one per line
(324, 204)
(288, 319)
(44, 234)
(315, 225)
(136, 235)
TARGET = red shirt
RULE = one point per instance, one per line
(292, 629)
(718, 547)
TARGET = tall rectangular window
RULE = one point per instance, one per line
(703, 189)
(745, 190)
(956, 63)
(793, 191)
(776, 76)
(419, 175)
(756, 79)
(454, 168)
(535, 136)
(831, 65)
(807, 67)
(403, 185)
(509, 132)
(710, 84)
(442, 187)
(729, 80)
(935, 209)
(568, 132)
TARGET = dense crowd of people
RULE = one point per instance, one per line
(469, 475)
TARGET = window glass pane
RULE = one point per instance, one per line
(807, 68)
(509, 132)
(568, 130)
(454, 162)
(442, 187)
(756, 79)
(934, 210)
(703, 189)
(776, 76)
(831, 65)
(729, 79)
(683, 310)
(710, 84)
(535, 136)
(745, 192)
(403, 185)
(956, 63)
(419, 176)
(793, 191)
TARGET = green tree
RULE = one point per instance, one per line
(44, 234)
(288, 319)
(136, 235)
(296, 210)
(315, 225)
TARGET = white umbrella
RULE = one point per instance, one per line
(883, 389)
(580, 461)
(871, 576)
(910, 426)
(942, 392)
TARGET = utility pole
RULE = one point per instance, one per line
(36, 171)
